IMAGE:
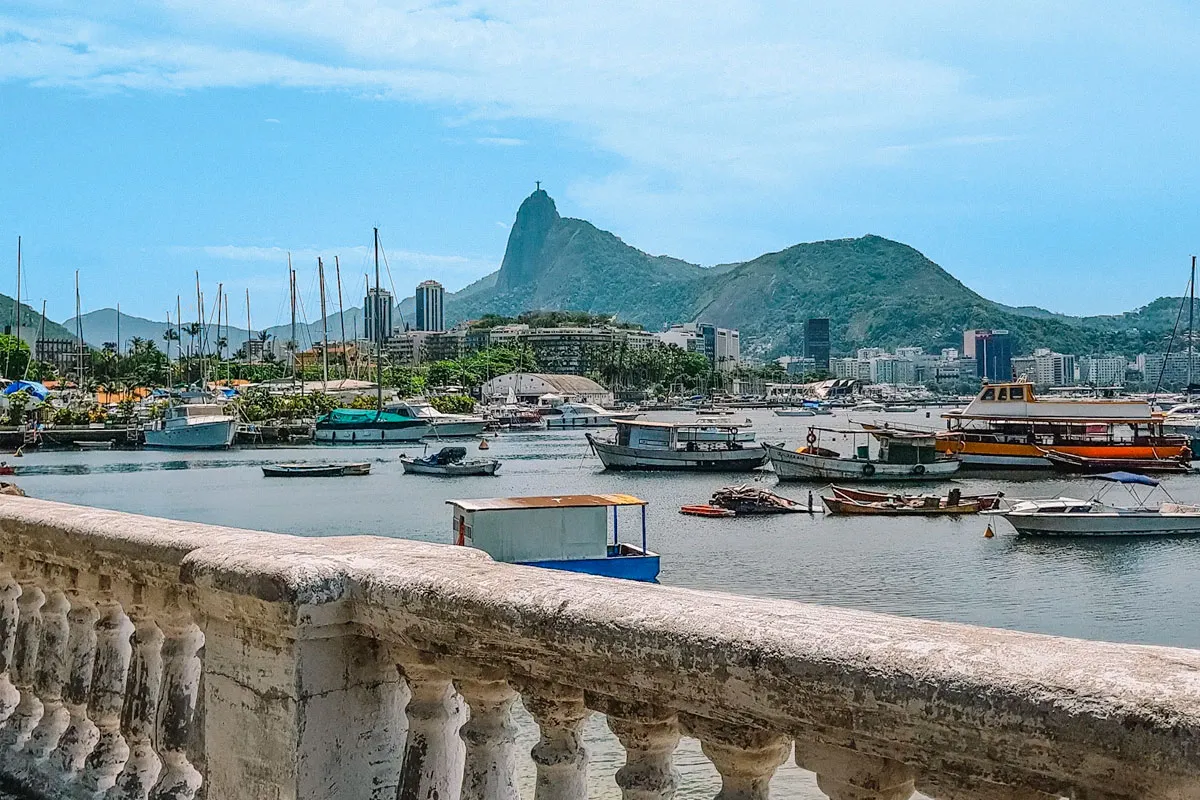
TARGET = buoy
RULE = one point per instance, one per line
(989, 533)
(483, 444)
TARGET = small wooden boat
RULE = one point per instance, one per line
(901, 506)
(707, 511)
(1070, 462)
(987, 502)
(449, 461)
(315, 470)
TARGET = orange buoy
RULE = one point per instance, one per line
(989, 533)
(483, 444)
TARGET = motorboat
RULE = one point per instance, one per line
(582, 415)
(900, 455)
(986, 502)
(516, 417)
(795, 412)
(844, 502)
(192, 426)
(450, 462)
(302, 470)
(441, 425)
(363, 426)
(899, 409)
(1008, 426)
(1067, 516)
(567, 532)
(869, 407)
(718, 429)
(682, 446)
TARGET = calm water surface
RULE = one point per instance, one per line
(1131, 591)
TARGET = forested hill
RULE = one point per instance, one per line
(875, 291)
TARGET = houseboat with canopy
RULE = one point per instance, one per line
(568, 532)
(702, 446)
(1008, 426)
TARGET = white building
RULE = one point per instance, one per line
(1103, 370)
(1053, 369)
(529, 386)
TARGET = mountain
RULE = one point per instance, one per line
(875, 291)
(31, 322)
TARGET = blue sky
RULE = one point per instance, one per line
(1044, 153)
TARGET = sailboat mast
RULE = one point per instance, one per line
(324, 329)
(17, 300)
(37, 346)
(292, 344)
(79, 330)
(337, 268)
(378, 337)
(249, 357)
(1191, 323)
(118, 342)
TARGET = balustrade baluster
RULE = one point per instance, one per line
(25, 660)
(51, 675)
(746, 758)
(81, 733)
(138, 716)
(490, 768)
(10, 591)
(181, 668)
(430, 751)
(560, 754)
(649, 735)
(844, 774)
(107, 696)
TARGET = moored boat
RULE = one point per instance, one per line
(568, 532)
(900, 456)
(673, 446)
(901, 505)
(986, 502)
(582, 415)
(1008, 426)
(795, 412)
(1066, 516)
(192, 426)
(301, 470)
(357, 426)
(440, 425)
(451, 462)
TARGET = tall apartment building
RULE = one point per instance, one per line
(816, 342)
(430, 299)
(377, 314)
(1103, 370)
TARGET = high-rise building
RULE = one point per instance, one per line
(430, 298)
(722, 346)
(377, 314)
(992, 351)
(816, 342)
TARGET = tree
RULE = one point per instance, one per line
(170, 335)
(14, 356)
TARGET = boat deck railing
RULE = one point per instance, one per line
(143, 657)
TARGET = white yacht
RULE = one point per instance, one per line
(440, 424)
(1067, 516)
(560, 414)
(192, 426)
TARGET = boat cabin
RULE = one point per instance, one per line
(1017, 401)
(181, 413)
(568, 532)
(703, 434)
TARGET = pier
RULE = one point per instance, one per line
(146, 657)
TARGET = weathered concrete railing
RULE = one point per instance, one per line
(149, 658)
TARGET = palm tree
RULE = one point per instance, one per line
(171, 335)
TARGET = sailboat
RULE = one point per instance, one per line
(364, 426)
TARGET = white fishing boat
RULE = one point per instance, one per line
(795, 412)
(582, 415)
(1067, 516)
(440, 424)
(899, 456)
(869, 407)
(672, 446)
(192, 426)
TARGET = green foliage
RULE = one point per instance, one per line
(17, 403)
(453, 403)
(14, 356)
(621, 366)
(473, 369)
(365, 402)
(257, 404)
(143, 364)
(553, 319)
(405, 380)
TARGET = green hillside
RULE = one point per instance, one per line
(876, 292)
(31, 321)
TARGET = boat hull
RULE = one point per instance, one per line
(413, 467)
(1149, 523)
(791, 465)
(315, 470)
(986, 502)
(846, 507)
(1019, 455)
(617, 457)
(371, 433)
(457, 428)
(629, 563)
(214, 434)
(586, 421)
(794, 412)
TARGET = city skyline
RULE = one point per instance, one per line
(1040, 154)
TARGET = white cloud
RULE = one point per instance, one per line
(500, 141)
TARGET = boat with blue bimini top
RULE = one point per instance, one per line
(567, 532)
(1067, 516)
(358, 426)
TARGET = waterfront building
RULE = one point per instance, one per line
(1053, 369)
(63, 354)
(1171, 371)
(568, 350)
(867, 353)
(684, 336)
(722, 346)
(430, 298)
(1103, 370)
(992, 351)
(816, 342)
(529, 386)
(377, 314)
(1024, 365)
(798, 366)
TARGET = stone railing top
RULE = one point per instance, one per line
(1049, 713)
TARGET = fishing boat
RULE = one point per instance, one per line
(1008, 426)
(899, 456)
(580, 415)
(1069, 462)
(901, 505)
(1066, 516)
(568, 532)
(192, 426)
(675, 446)
(440, 425)
(986, 502)
(449, 461)
(301, 470)
(795, 412)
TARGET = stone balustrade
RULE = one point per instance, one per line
(147, 658)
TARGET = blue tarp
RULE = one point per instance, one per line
(33, 387)
(1127, 477)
